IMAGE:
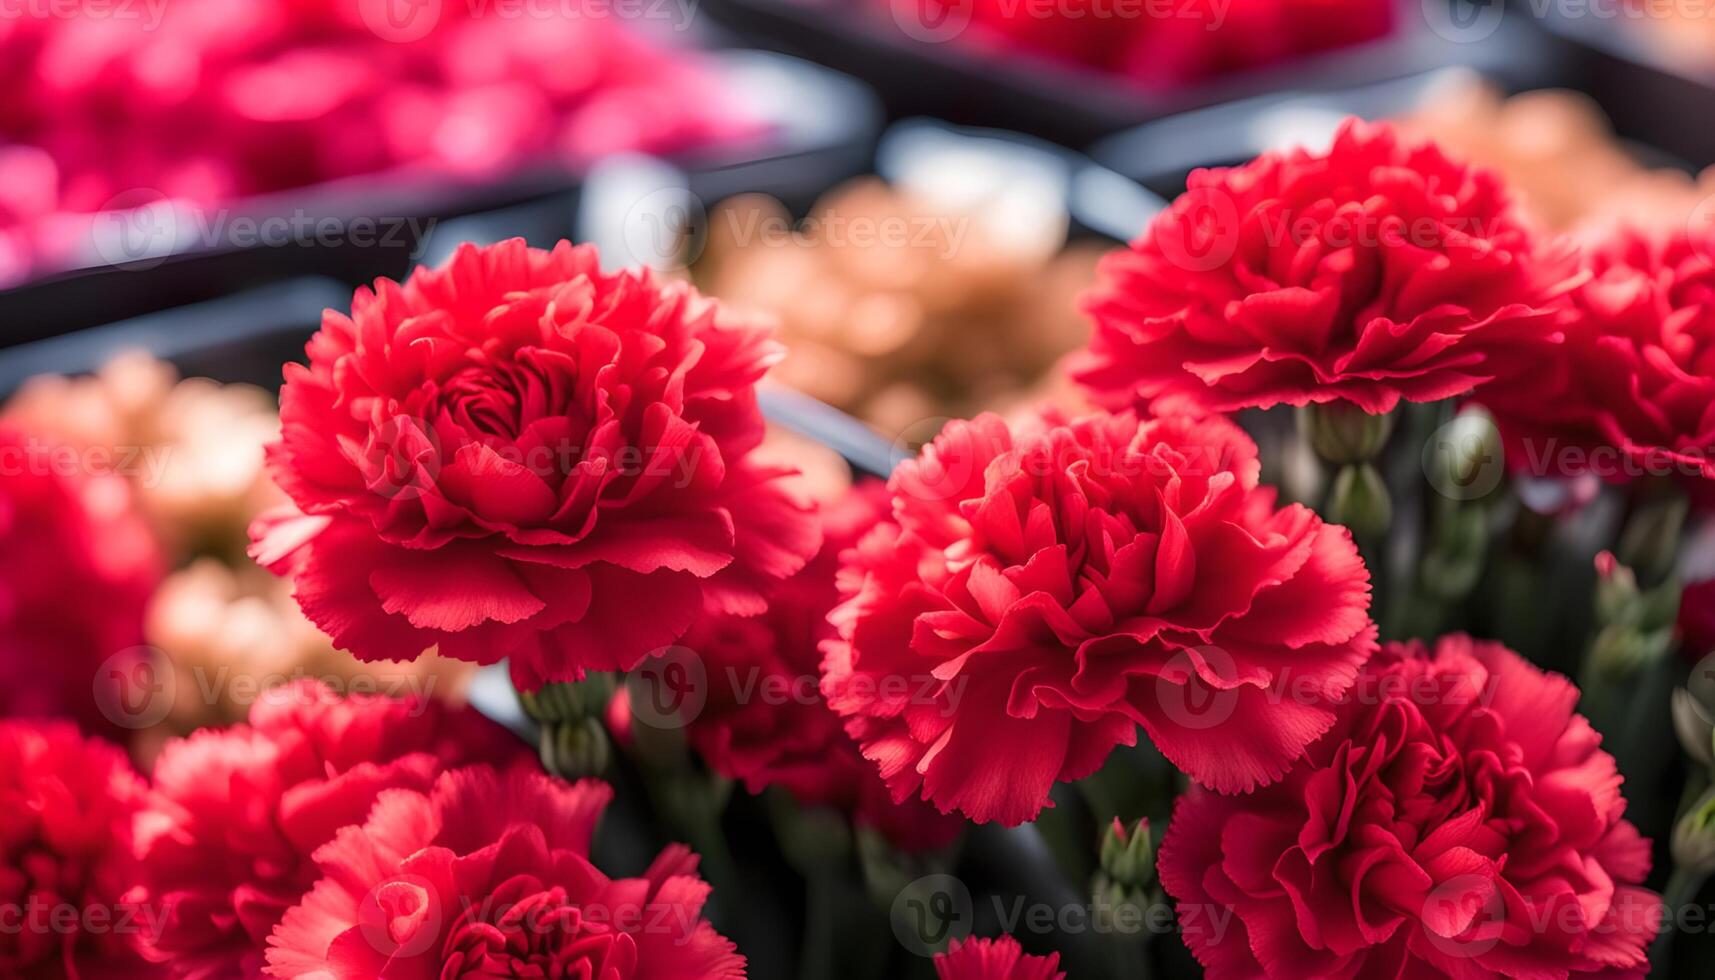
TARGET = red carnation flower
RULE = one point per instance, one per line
(77, 565)
(995, 959)
(1370, 273)
(235, 814)
(1459, 821)
(489, 875)
(764, 721)
(1040, 594)
(1631, 392)
(518, 455)
(66, 806)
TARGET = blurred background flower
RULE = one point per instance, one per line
(1559, 154)
(175, 478)
(898, 308)
(77, 566)
(205, 102)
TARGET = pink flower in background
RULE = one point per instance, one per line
(235, 814)
(1460, 820)
(995, 959)
(66, 806)
(518, 455)
(1041, 593)
(204, 101)
(77, 565)
(1631, 392)
(489, 875)
(1374, 272)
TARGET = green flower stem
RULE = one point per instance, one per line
(1651, 536)
(820, 923)
(1646, 748)
(1129, 956)
(1359, 499)
(1681, 890)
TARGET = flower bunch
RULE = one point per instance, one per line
(234, 816)
(1271, 549)
(330, 836)
(488, 874)
(1459, 817)
(521, 456)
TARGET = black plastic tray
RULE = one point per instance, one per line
(1651, 97)
(821, 126)
(1075, 106)
(245, 337)
(1159, 155)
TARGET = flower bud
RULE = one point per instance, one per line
(1124, 887)
(1660, 608)
(1621, 651)
(1360, 500)
(1694, 837)
(1650, 540)
(1616, 590)
(572, 701)
(1128, 854)
(1343, 433)
(1620, 601)
(572, 739)
(575, 750)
